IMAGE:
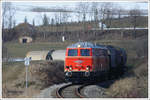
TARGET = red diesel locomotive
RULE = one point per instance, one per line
(87, 61)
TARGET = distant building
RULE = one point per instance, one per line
(39, 55)
(26, 32)
(25, 39)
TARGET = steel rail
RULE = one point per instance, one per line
(59, 90)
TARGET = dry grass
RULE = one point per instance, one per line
(129, 88)
(41, 75)
(20, 50)
(11, 71)
(134, 84)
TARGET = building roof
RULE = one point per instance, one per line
(86, 45)
(25, 37)
(25, 29)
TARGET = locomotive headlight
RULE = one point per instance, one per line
(70, 68)
(79, 46)
(87, 68)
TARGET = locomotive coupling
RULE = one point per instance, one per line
(69, 74)
(87, 74)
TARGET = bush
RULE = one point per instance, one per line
(129, 88)
(141, 71)
(134, 83)
(4, 52)
(49, 73)
(141, 48)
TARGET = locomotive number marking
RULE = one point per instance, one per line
(78, 61)
(78, 65)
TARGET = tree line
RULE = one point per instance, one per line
(85, 11)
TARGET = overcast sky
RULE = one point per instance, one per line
(25, 6)
(125, 5)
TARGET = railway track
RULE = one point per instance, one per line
(70, 91)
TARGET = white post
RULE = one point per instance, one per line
(27, 63)
(63, 38)
(26, 79)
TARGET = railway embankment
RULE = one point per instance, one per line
(43, 74)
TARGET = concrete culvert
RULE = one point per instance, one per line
(25, 39)
(39, 55)
(58, 55)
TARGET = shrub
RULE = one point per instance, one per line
(141, 48)
(49, 73)
(128, 88)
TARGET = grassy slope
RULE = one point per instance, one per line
(11, 71)
(41, 74)
(20, 50)
(134, 83)
(134, 80)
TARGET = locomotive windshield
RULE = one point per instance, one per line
(85, 52)
(72, 52)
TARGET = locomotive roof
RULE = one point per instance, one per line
(86, 45)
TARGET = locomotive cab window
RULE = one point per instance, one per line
(84, 52)
(72, 52)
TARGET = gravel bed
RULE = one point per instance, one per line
(49, 92)
(98, 90)
(94, 91)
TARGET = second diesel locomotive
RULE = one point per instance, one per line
(87, 61)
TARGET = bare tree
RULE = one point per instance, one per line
(94, 11)
(7, 15)
(106, 10)
(56, 17)
(82, 8)
(119, 11)
(45, 20)
(45, 23)
(65, 17)
(52, 21)
(134, 14)
(25, 20)
(78, 15)
(8, 12)
(33, 22)
(14, 23)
